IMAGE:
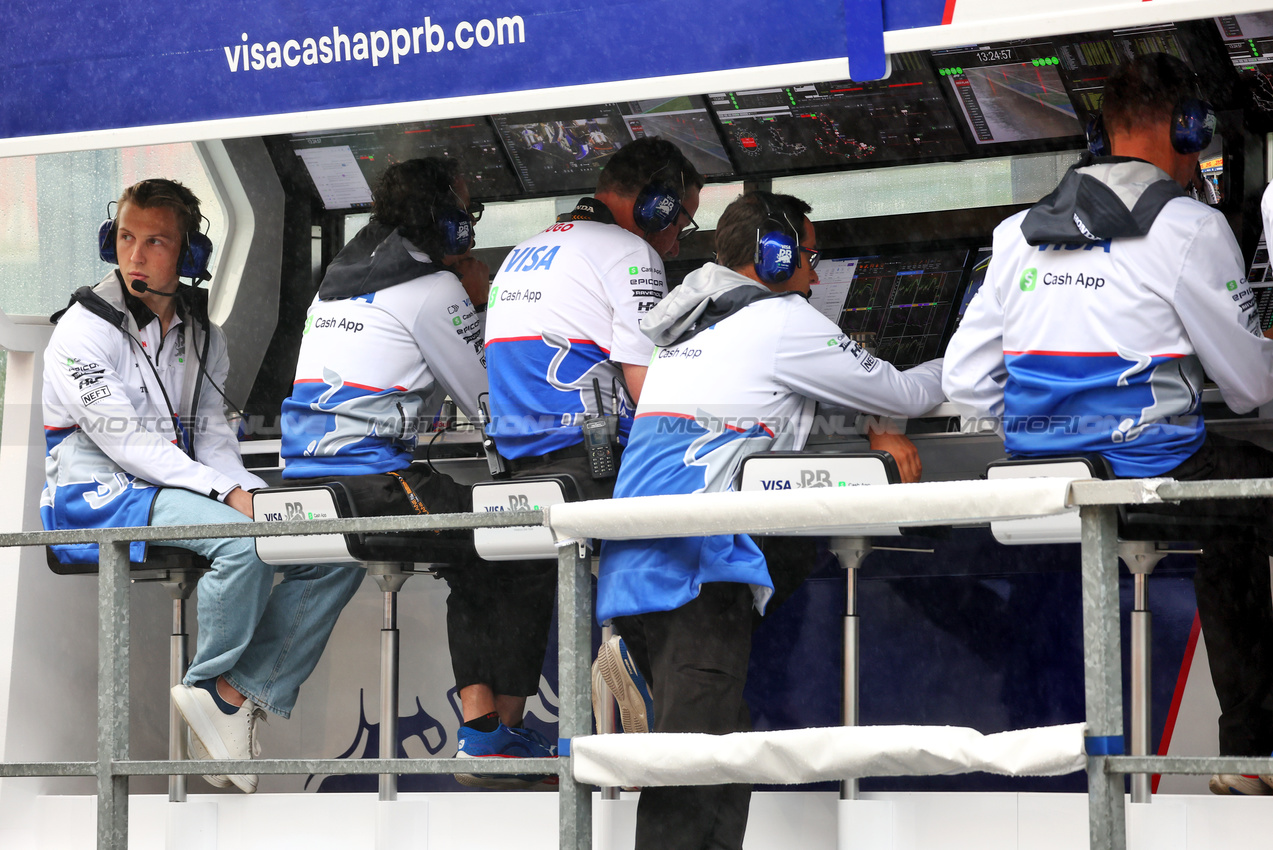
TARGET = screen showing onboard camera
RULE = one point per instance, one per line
(904, 117)
(346, 165)
(1009, 92)
(901, 306)
(685, 122)
(561, 151)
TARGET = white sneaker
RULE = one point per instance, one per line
(1237, 785)
(223, 736)
(199, 752)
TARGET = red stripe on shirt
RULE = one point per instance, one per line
(1085, 353)
(348, 384)
(491, 342)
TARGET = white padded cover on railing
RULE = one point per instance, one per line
(816, 755)
(934, 503)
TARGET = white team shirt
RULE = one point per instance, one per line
(565, 310)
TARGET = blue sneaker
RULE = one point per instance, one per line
(504, 743)
(616, 668)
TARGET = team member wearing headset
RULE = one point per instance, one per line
(392, 331)
(1102, 306)
(137, 435)
(742, 359)
(563, 345)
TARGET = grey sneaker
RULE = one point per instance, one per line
(1237, 785)
(223, 736)
(199, 752)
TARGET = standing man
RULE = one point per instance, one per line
(137, 436)
(563, 345)
(742, 359)
(1101, 309)
(392, 331)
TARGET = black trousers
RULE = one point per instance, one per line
(695, 660)
(1233, 592)
(496, 623)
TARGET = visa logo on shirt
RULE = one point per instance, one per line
(532, 259)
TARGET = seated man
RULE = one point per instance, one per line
(742, 360)
(1103, 305)
(137, 435)
(390, 334)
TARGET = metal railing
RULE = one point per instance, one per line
(1097, 502)
(113, 766)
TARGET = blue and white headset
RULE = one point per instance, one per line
(196, 249)
(658, 205)
(777, 249)
(455, 226)
(1193, 123)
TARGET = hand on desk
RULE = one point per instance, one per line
(902, 450)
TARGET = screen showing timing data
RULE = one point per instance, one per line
(844, 123)
(561, 151)
(900, 307)
(345, 165)
(1249, 42)
(1009, 92)
(685, 122)
(1087, 60)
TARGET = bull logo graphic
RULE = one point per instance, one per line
(603, 372)
(293, 511)
(357, 418)
(721, 463)
(109, 488)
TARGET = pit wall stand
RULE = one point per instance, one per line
(861, 824)
(188, 826)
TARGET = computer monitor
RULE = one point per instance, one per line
(1011, 92)
(561, 151)
(1249, 40)
(685, 122)
(843, 123)
(345, 165)
(1260, 278)
(1088, 59)
(976, 277)
(901, 306)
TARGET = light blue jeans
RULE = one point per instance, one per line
(265, 640)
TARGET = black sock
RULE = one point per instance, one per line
(210, 685)
(485, 723)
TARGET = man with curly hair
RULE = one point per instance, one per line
(395, 328)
